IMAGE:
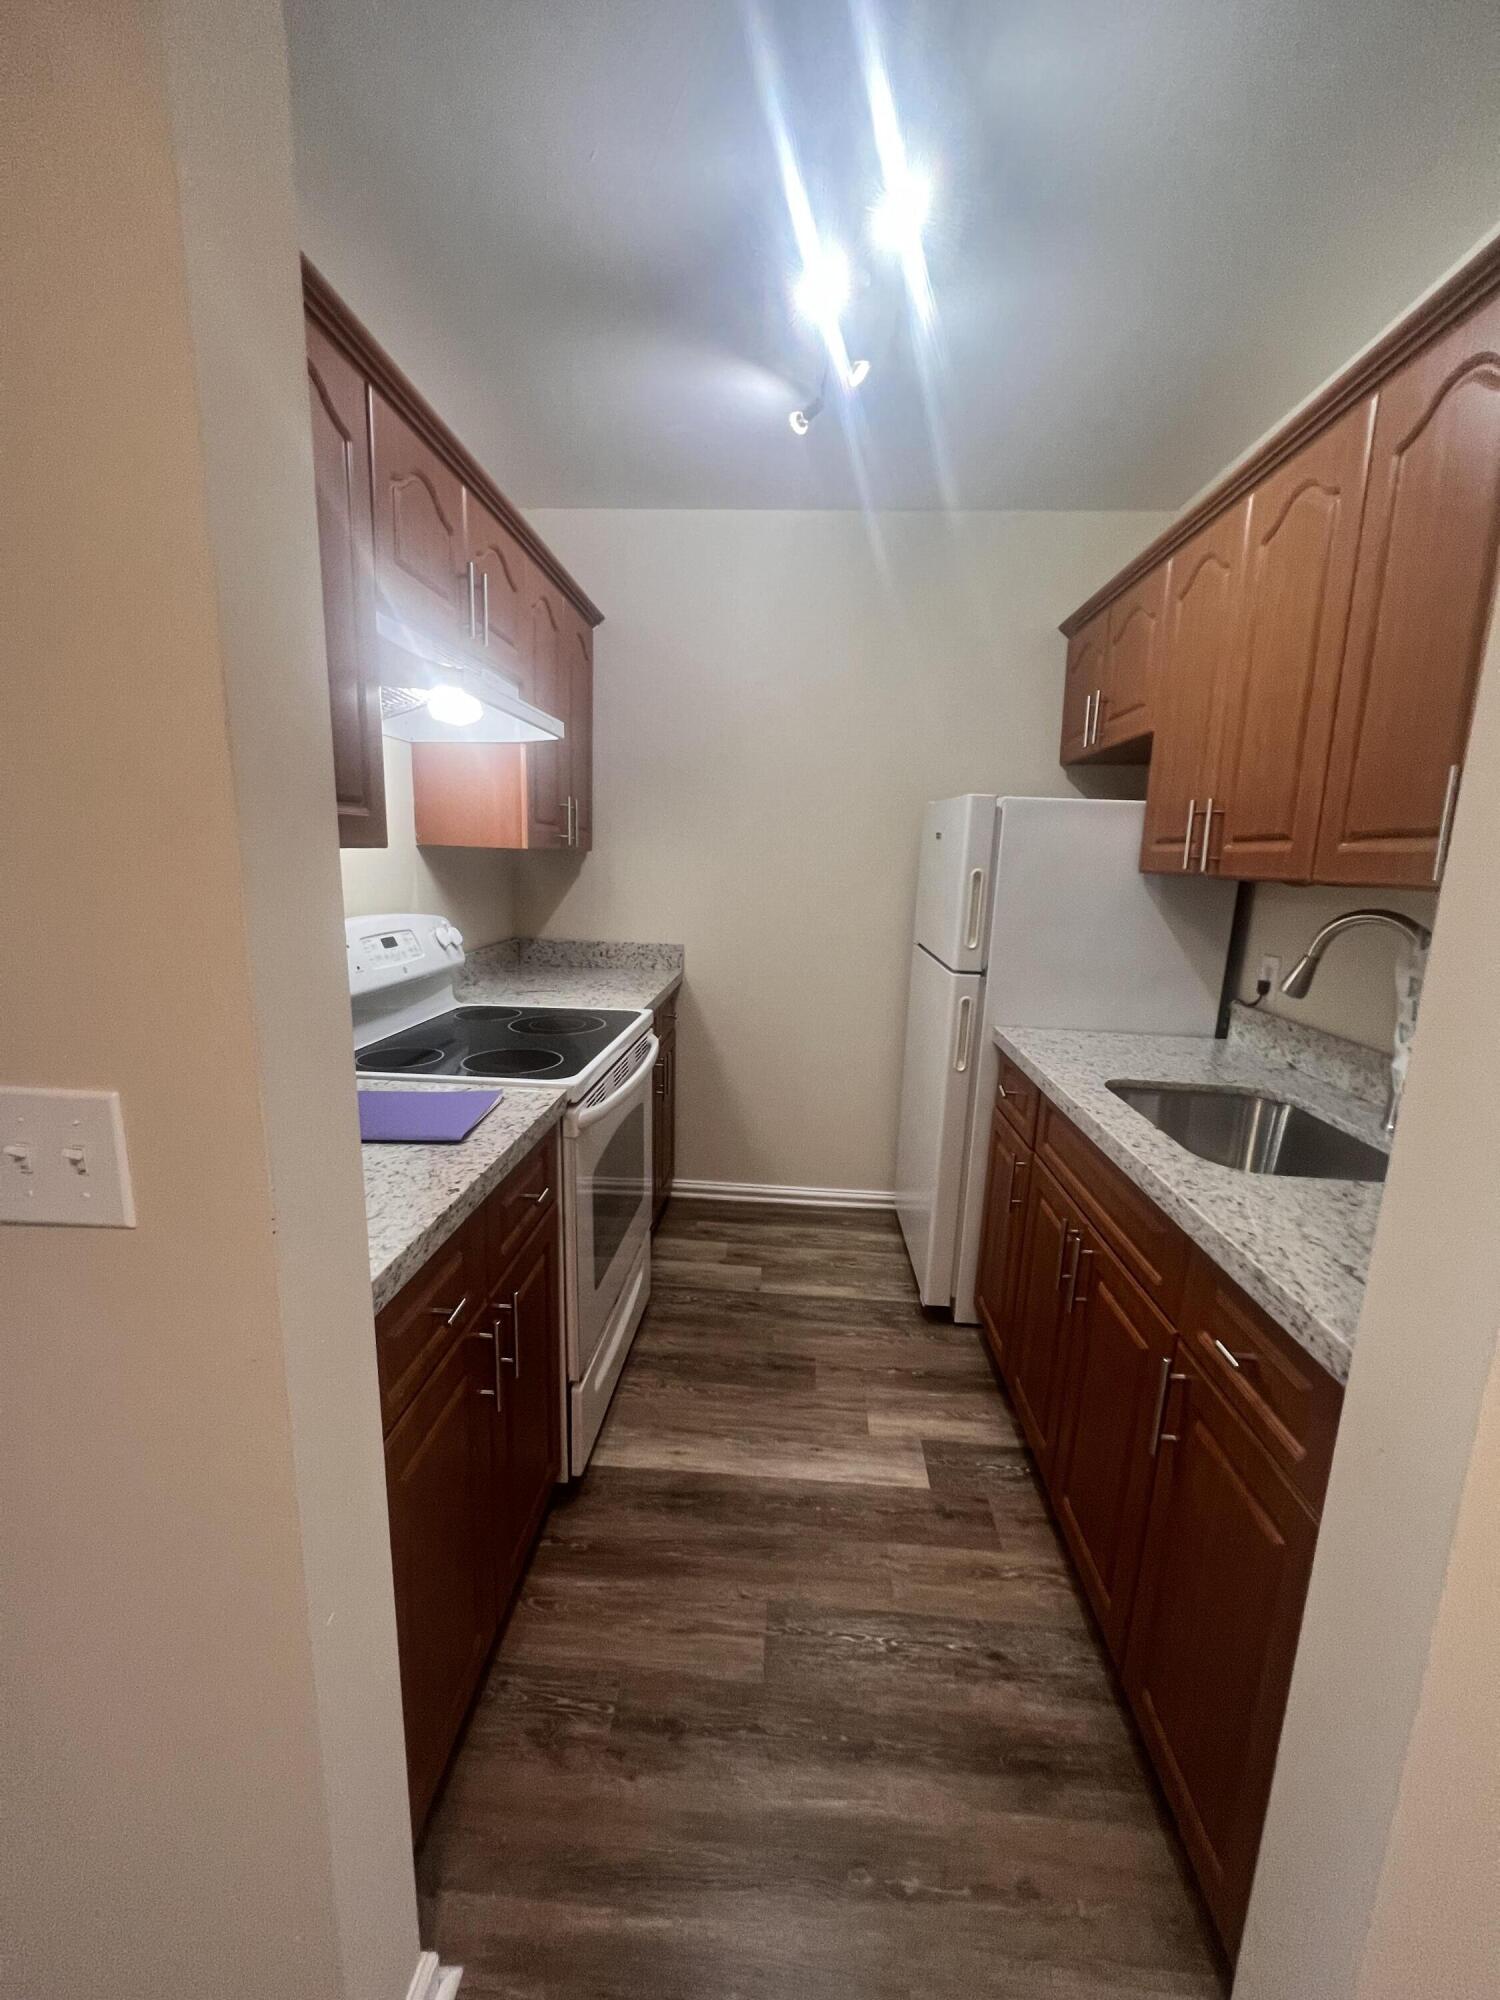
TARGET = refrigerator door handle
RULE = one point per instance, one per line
(976, 907)
(965, 1033)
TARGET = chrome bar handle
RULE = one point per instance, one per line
(473, 625)
(1233, 1359)
(450, 1318)
(1073, 1269)
(1062, 1252)
(1445, 825)
(484, 580)
(1187, 837)
(1208, 827)
(1017, 1194)
(1098, 711)
(1088, 719)
(1085, 1270)
(513, 1359)
(1161, 1401)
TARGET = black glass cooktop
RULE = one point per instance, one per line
(526, 1044)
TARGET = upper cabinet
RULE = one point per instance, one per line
(341, 480)
(1299, 655)
(1422, 594)
(410, 527)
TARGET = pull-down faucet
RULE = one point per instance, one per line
(1297, 982)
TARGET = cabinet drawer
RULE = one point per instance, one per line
(1152, 1249)
(665, 1018)
(530, 1191)
(1281, 1394)
(1017, 1098)
(427, 1315)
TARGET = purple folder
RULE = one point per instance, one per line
(422, 1117)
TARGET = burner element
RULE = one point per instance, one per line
(483, 1013)
(398, 1058)
(512, 1062)
(557, 1021)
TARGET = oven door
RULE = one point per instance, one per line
(609, 1190)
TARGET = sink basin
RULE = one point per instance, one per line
(1253, 1133)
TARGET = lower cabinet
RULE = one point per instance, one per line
(473, 1448)
(664, 1110)
(1184, 1441)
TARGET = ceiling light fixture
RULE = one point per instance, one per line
(898, 218)
(821, 294)
(858, 370)
(800, 422)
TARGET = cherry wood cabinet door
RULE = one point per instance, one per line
(548, 765)
(1284, 665)
(1083, 679)
(1197, 628)
(663, 1118)
(421, 564)
(438, 1470)
(1003, 1235)
(526, 1351)
(1209, 1656)
(576, 669)
(1037, 1350)
(1422, 598)
(501, 573)
(1120, 1349)
(339, 397)
(1135, 621)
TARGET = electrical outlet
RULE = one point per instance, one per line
(1269, 973)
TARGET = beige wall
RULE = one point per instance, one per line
(777, 694)
(1354, 993)
(473, 889)
(204, 1786)
(1380, 1844)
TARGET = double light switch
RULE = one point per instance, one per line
(62, 1158)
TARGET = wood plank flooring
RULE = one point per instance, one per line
(799, 1701)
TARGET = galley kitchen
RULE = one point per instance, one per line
(749, 1128)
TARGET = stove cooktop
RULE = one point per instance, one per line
(525, 1044)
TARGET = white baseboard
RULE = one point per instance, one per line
(432, 1981)
(791, 1197)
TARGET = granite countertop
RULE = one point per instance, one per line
(572, 973)
(1300, 1248)
(416, 1196)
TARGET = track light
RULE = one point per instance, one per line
(800, 422)
(858, 370)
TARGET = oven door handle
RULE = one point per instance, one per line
(580, 1121)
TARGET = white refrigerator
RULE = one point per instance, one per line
(1029, 913)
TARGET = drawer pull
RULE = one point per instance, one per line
(1018, 1183)
(450, 1318)
(1160, 1437)
(1238, 1362)
(539, 1198)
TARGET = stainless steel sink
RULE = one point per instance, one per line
(1252, 1133)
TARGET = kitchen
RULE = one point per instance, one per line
(702, 1609)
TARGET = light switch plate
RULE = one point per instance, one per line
(62, 1158)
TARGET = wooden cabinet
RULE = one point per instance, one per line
(1223, 1576)
(1283, 672)
(1119, 1348)
(421, 565)
(1004, 1233)
(578, 661)
(437, 1468)
(1035, 1353)
(1422, 603)
(1088, 650)
(499, 571)
(341, 475)
(470, 1356)
(1123, 707)
(1197, 629)
(1309, 684)
(664, 1110)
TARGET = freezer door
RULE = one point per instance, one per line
(942, 1041)
(953, 880)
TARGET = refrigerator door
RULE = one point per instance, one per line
(1082, 939)
(943, 1035)
(953, 880)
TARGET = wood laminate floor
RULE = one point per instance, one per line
(799, 1698)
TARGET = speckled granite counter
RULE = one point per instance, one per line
(1300, 1248)
(416, 1196)
(572, 973)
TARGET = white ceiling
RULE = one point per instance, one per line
(1159, 224)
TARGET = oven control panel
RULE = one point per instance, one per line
(399, 950)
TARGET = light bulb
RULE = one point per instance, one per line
(822, 291)
(454, 707)
(858, 370)
(798, 422)
(897, 218)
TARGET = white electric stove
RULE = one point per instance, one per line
(409, 1025)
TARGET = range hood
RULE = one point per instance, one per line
(431, 695)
